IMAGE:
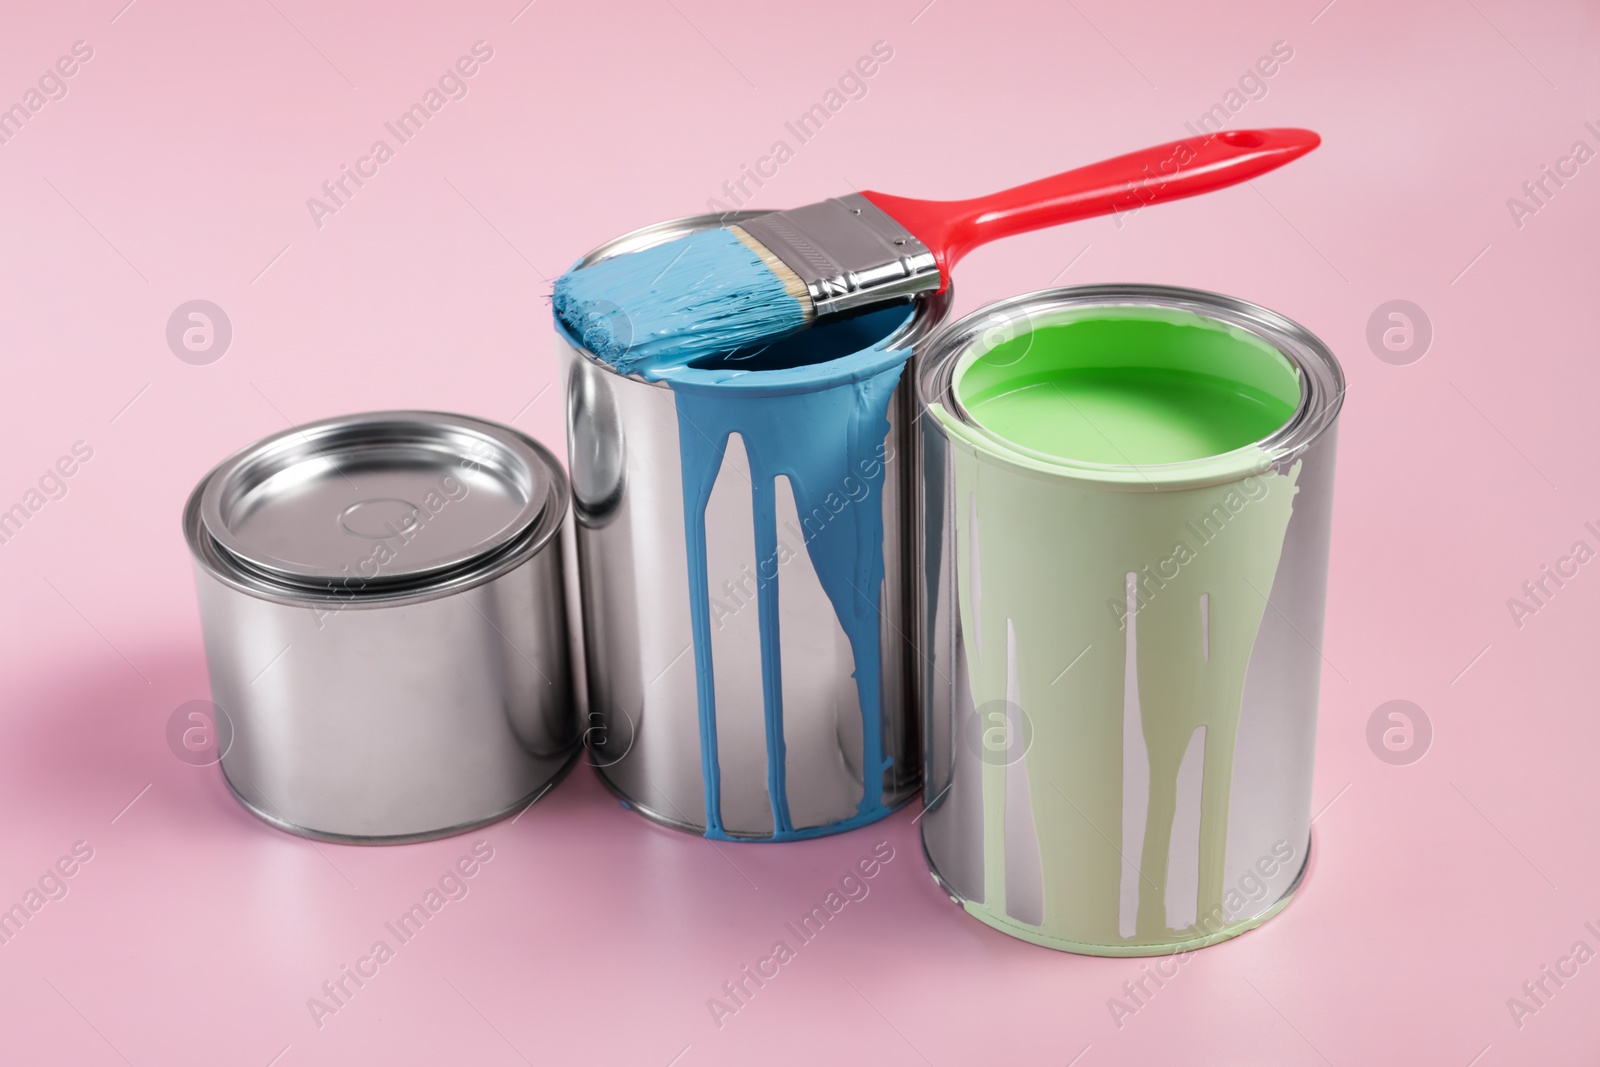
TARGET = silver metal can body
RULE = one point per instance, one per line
(1078, 793)
(383, 711)
(738, 771)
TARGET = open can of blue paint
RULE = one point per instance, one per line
(1127, 493)
(743, 544)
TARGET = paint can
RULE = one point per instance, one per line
(385, 618)
(1125, 518)
(717, 705)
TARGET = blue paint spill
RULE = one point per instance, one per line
(814, 409)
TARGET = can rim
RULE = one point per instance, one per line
(1321, 395)
(931, 309)
(492, 560)
(467, 443)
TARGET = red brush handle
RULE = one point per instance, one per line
(952, 228)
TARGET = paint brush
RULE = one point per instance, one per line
(752, 283)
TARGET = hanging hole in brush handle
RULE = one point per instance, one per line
(1194, 165)
(1243, 138)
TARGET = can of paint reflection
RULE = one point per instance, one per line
(1121, 625)
(791, 715)
(384, 611)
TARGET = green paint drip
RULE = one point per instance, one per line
(1057, 535)
(1038, 936)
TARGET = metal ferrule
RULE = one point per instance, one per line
(848, 251)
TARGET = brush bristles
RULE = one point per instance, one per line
(785, 273)
(663, 307)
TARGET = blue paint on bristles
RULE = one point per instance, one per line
(665, 306)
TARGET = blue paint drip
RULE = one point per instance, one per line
(798, 436)
(763, 498)
(702, 455)
(813, 409)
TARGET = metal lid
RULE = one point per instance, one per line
(383, 498)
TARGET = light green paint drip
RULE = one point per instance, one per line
(1055, 540)
(1039, 937)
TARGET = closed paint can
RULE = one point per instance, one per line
(1126, 509)
(742, 533)
(384, 611)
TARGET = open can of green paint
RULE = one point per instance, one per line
(744, 541)
(1126, 505)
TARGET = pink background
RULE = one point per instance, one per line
(178, 167)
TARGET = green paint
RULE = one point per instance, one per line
(1048, 530)
(1142, 386)
(1200, 939)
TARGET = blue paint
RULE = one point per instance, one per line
(814, 409)
(665, 306)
